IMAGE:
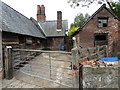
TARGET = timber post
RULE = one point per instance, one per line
(76, 64)
(8, 62)
(98, 52)
(106, 49)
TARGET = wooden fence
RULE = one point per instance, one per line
(86, 54)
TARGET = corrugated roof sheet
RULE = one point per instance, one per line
(50, 28)
(15, 22)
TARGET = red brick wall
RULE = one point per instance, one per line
(119, 36)
(86, 36)
(41, 18)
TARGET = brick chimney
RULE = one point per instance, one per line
(41, 13)
(59, 20)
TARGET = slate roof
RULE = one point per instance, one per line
(15, 22)
(50, 28)
(103, 6)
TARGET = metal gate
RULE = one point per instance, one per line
(52, 66)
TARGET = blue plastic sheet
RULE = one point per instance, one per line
(110, 59)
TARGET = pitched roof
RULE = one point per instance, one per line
(15, 22)
(50, 28)
(103, 6)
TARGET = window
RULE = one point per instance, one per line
(100, 37)
(102, 22)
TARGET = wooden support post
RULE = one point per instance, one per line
(106, 50)
(8, 63)
(89, 55)
(98, 52)
(76, 63)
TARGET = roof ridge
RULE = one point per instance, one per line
(51, 20)
(42, 29)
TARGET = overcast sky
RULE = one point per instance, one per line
(29, 8)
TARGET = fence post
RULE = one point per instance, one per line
(98, 52)
(8, 63)
(75, 62)
(106, 50)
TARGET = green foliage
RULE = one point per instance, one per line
(117, 56)
(116, 8)
(114, 5)
(80, 19)
(72, 30)
(82, 3)
(78, 22)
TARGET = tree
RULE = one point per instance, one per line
(113, 4)
(75, 3)
(80, 19)
(116, 8)
(78, 22)
(72, 30)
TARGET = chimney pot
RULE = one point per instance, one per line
(38, 9)
(42, 10)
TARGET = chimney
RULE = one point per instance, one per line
(41, 13)
(42, 10)
(59, 20)
(38, 9)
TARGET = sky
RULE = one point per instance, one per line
(29, 8)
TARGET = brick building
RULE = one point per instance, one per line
(20, 32)
(53, 30)
(102, 28)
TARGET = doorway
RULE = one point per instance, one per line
(100, 39)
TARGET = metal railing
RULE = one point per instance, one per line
(47, 67)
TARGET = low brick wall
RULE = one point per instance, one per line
(100, 77)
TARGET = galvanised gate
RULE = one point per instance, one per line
(52, 66)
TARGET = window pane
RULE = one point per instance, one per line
(100, 25)
(102, 22)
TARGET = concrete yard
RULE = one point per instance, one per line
(21, 80)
